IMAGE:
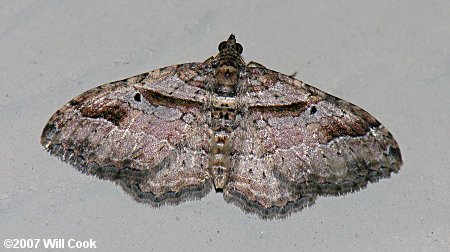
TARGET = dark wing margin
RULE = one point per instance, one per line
(125, 131)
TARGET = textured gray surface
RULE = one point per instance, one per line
(391, 58)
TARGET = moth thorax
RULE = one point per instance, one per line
(226, 80)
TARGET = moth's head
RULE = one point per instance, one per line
(230, 46)
(230, 53)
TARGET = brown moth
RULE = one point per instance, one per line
(270, 143)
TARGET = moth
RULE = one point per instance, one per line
(270, 143)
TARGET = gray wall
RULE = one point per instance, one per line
(391, 58)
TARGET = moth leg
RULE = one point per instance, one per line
(258, 65)
(255, 64)
(208, 60)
